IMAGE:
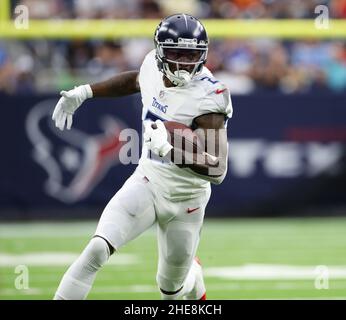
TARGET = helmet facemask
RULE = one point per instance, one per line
(181, 61)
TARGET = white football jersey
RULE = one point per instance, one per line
(203, 94)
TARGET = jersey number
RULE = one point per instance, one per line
(209, 79)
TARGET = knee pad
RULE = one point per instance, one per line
(98, 251)
(110, 247)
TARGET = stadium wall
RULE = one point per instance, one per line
(287, 156)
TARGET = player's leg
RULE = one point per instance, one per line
(77, 281)
(179, 274)
(178, 244)
(129, 213)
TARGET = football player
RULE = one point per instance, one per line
(175, 86)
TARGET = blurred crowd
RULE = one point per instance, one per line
(110, 9)
(246, 66)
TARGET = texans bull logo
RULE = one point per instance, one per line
(74, 161)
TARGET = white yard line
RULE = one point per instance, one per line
(276, 272)
(95, 290)
(15, 292)
(57, 259)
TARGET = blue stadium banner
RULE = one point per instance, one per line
(287, 153)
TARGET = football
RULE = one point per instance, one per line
(182, 138)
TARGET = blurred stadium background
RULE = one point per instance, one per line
(275, 229)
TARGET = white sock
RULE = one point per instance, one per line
(78, 279)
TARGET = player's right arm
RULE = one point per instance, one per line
(123, 84)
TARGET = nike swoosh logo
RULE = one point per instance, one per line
(218, 91)
(189, 210)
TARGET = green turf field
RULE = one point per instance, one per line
(242, 259)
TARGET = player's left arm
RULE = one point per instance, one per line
(211, 165)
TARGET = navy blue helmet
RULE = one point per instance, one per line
(181, 43)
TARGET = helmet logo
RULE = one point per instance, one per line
(186, 42)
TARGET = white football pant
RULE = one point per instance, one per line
(131, 211)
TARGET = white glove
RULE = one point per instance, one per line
(156, 139)
(68, 104)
